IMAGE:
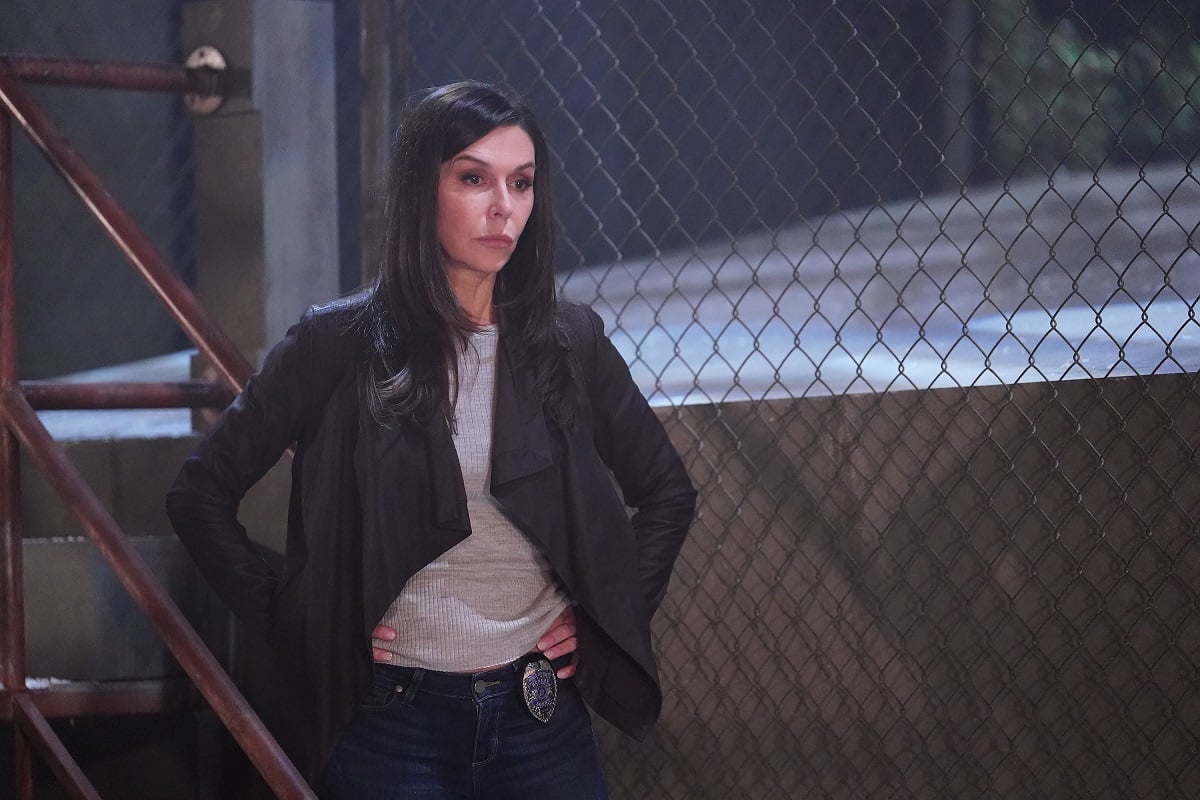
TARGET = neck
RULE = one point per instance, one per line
(475, 297)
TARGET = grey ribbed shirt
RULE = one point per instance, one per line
(487, 600)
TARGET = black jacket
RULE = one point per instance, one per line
(371, 505)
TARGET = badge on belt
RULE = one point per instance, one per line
(539, 685)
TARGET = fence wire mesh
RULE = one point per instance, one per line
(915, 284)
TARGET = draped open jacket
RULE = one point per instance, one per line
(371, 505)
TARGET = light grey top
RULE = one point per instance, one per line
(488, 600)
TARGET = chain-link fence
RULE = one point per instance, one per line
(916, 285)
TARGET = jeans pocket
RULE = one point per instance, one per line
(382, 692)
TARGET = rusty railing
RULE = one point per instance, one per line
(29, 709)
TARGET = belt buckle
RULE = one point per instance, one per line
(539, 687)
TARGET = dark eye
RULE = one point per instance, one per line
(521, 184)
(472, 179)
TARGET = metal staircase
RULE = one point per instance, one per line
(22, 435)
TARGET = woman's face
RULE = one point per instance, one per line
(485, 196)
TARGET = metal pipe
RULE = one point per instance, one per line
(45, 396)
(42, 736)
(124, 75)
(12, 611)
(183, 642)
(121, 228)
(12, 591)
(23, 764)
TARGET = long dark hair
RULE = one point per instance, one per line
(415, 323)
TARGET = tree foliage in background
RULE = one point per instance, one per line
(1059, 93)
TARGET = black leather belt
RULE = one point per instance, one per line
(535, 676)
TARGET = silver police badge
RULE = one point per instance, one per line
(540, 687)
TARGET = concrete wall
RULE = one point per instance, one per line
(950, 593)
(267, 200)
(939, 593)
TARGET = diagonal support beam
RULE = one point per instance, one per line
(183, 642)
(125, 233)
(34, 726)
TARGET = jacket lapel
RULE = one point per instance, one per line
(522, 445)
(521, 440)
(405, 445)
(445, 478)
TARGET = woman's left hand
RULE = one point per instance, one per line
(560, 640)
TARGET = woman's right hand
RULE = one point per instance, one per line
(386, 634)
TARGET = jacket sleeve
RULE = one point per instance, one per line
(247, 440)
(633, 444)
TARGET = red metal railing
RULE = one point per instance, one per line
(44, 396)
(12, 616)
(22, 426)
(117, 75)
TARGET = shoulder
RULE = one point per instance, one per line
(340, 317)
(336, 329)
(578, 324)
(317, 350)
(581, 331)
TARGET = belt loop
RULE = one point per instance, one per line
(410, 690)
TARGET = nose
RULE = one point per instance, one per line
(502, 205)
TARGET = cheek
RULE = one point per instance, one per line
(451, 219)
(526, 211)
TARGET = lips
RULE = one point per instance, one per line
(498, 241)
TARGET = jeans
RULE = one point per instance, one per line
(424, 735)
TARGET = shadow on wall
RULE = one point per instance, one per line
(940, 593)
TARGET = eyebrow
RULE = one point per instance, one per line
(482, 163)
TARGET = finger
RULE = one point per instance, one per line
(381, 655)
(560, 649)
(555, 637)
(567, 671)
(561, 629)
(384, 632)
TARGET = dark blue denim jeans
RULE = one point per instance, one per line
(423, 735)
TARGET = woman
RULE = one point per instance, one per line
(453, 523)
